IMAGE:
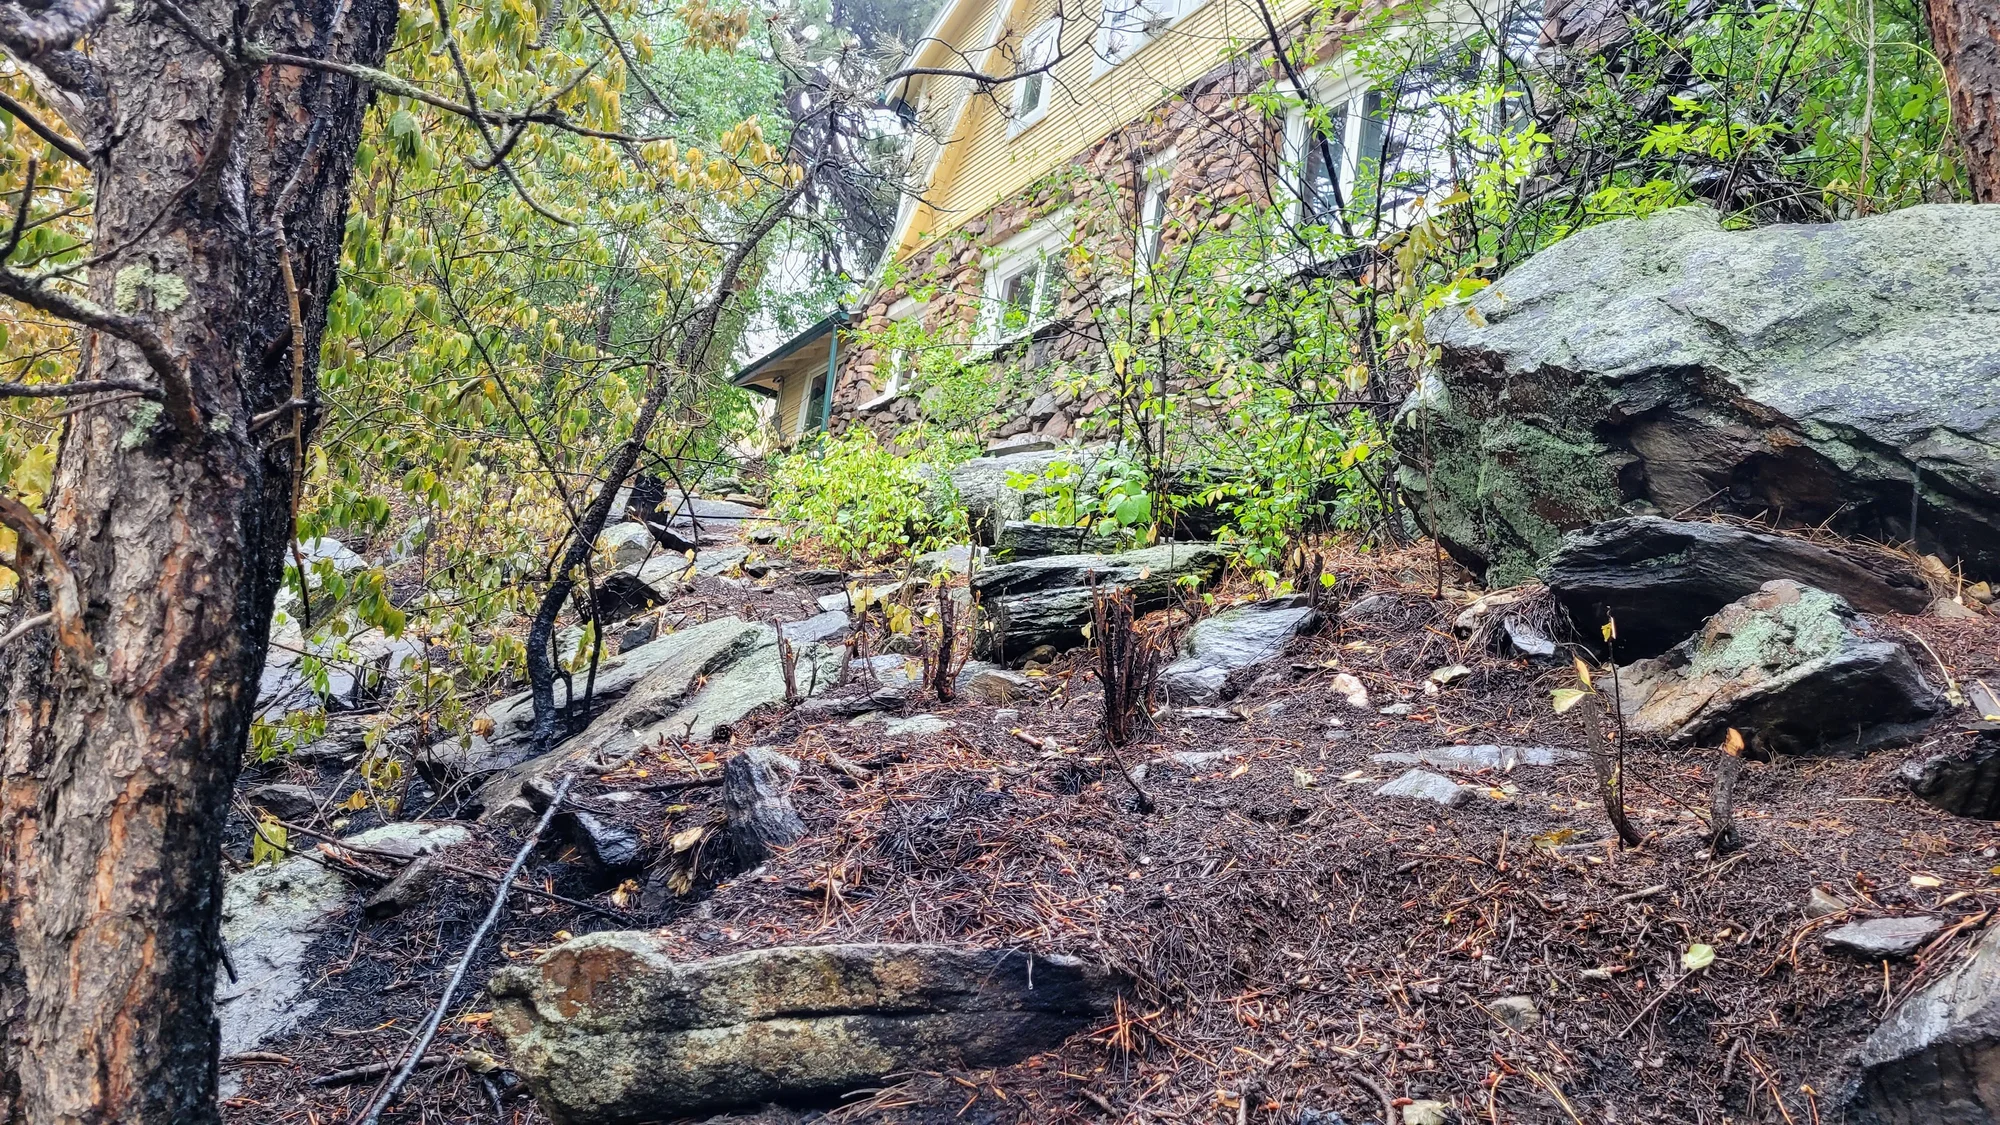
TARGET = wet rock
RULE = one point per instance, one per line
(622, 595)
(607, 1028)
(613, 848)
(295, 803)
(990, 683)
(756, 793)
(982, 486)
(1931, 1061)
(641, 634)
(957, 559)
(1881, 938)
(815, 576)
(1824, 372)
(270, 916)
(1791, 667)
(411, 886)
(1963, 782)
(916, 725)
(1021, 539)
(1221, 651)
(1662, 578)
(1517, 1012)
(1047, 601)
(1423, 785)
(626, 544)
(1487, 757)
(1822, 902)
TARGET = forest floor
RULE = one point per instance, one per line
(1306, 951)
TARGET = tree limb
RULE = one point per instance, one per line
(179, 395)
(38, 127)
(80, 387)
(66, 605)
(29, 36)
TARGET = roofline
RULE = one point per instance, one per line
(831, 322)
(930, 36)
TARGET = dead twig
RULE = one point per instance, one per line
(370, 1070)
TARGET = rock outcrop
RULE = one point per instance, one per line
(1820, 374)
(1936, 1059)
(1792, 668)
(1021, 539)
(1047, 601)
(1662, 578)
(1220, 650)
(608, 1030)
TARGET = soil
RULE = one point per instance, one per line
(1304, 951)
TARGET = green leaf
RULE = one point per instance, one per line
(1566, 698)
(1698, 957)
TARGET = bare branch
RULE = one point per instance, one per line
(179, 395)
(29, 35)
(66, 605)
(21, 212)
(81, 387)
(41, 129)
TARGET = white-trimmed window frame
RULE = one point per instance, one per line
(1040, 249)
(1038, 49)
(1111, 26)
(898, 361)
(1330, 88)
(1156, 181)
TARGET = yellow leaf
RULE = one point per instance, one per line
(1926, 881)
(688, 838)
(1732, 743)
(1610, 629)
(1566, 698)
(1582, 672)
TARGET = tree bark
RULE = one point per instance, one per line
(115, 776)
(1966, 36)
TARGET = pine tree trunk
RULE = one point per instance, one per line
(115, 778)
(1966, 36)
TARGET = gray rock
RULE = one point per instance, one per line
(1221, 650)
(1517, 1012)
(411, 886)
(1816, 371)
(1423, 785)
(1789, 666)
(606, 1028)
(1047, 601)
(1486, 757)
(956, 559)
(270, 916)
(1931, 1061)
(626, 544)
(1964, 783)
(1877, 939)
(613, 848)
(989, 500)
(756, 793)
(990, 683)
(1662, 578)
(824, 626)
(1822, 902)
(916, 725)
(295, 803)
(1021, 539)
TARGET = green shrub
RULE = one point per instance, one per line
(863, 503)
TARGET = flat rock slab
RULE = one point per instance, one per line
(1662, 578)
(1423, 785)
(1792, 668)
(1501, 758)
(270, 916)
(1219, 650)
(1931, 1061)
(1020, 539)
(1048, 601)
(1964, 783)
(608, 1030)
(1880, 938)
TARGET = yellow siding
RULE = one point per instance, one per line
(985, 161)
(791, 391)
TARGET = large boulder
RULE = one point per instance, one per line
(1792, 668)
(1047, 601)
(1220, 650)
(1024, 539)
(1820, 374)
(984, 487)
(607, 1029)
(1936, 1059)
(1662, 578)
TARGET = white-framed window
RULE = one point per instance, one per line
(1155, 186)
(1031, 92)
(1335, 160)
(1024, 281)
(1128, 25)
(892, 372)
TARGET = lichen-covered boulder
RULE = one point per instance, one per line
(1814, 373)
(1789, 666)
(607, 1029)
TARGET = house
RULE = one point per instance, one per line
(1096, 137)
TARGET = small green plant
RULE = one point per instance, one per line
(863, 503)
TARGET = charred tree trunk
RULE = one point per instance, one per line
(212, 183)
(1966, 36)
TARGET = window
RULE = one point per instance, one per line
(1155, 180)
(1024, 283)
(1128, 25)
(892, 372)
(1336, 163)
(812, 409)
(1031, 93)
